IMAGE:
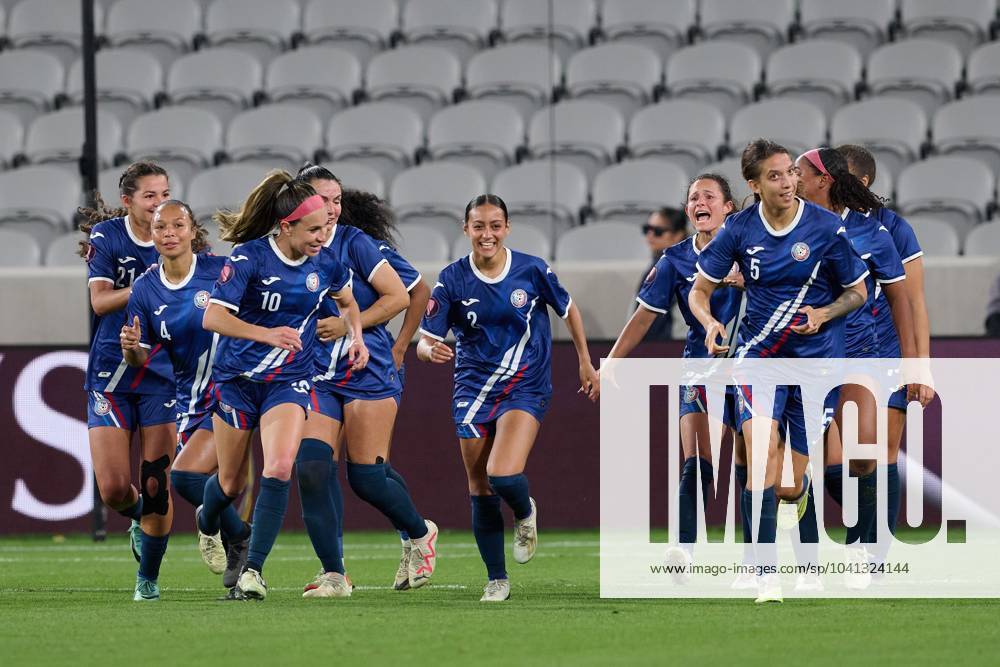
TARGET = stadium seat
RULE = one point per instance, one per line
(969, 127)
(662, 25)
(983, 241)
(421, 243)
(730, 170)
(893, 129)
(217, 245)
(528, 21)
(50, 25)
(262, 28)
(11, 137)
(688, 133)
(626, 76)
(435, 194)
(323, 78)
(128, 81)
(862, 23)
(18, 249)
(57, 138)
(607, 242)
(461, 26)
(546, 194)
(885, 182)
(424, 78)
(274, 136)
(965, 24)
(29, 82)
(820, 71)
(382, 135)
(983, 71)
(64, 250)
(359, 177)
(761, 24)
(636, 188)
(222, 80)
(795, 124)
(482, 133)
(164, 30)
(37, 194)
(936, 238)
(107, 184)
(523, 238)
(224, 187)
(958, 190)
(723, 74)
(181, 139)
(923, 70)
(363, 28)
(584, 132)
(522, 75)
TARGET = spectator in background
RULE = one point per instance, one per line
(993, 310)
(665, 227)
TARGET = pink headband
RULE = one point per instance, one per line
(816, 161)
(311, 203)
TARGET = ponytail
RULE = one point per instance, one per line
(273, 199)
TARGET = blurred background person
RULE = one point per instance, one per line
(665, 227)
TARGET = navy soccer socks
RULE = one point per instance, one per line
(372, 484)
(153, 549)
(487, 527)
(313, 468)
(514, 491)
(267, 517)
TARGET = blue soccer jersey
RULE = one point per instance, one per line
(170, 316)
(909, 249)
(671, 278)
(873, 242)
(379, 378)
(118, 257)
(808, 263)
(264, 287)
(502, 329)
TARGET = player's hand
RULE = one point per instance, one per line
(441, 353)
(714, 333)
(131, 335)
(590, 382)
(398, 352)
(285, 338)
(331, 328)
(920, 393)
(357, 354)
(815, 318)
(734, 279)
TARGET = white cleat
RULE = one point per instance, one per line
(251, 585)
(329, 585)
(808, 583)
(526, 535)
(402, 581)
(213, 553)
(497, 590)
(769, 589)
(744, 581)
(423, 556)
(857, 576)
(679, 560)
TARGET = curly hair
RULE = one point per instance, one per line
(368, 213)
(127, 185)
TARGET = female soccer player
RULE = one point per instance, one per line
(361, 405)
(166, 308)
(122, 399)
(709, 201)
(265, 304)
(780, 245)
(495, 302)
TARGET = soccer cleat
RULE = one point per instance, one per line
(328, 585)
(135, 538)
(857, 574)
(790, 512)
(744, 581)
(251, 585)
(210, 546)
(236, 560)
(679, 562)
(423, 556)
(497, 590)
(526, 535)
(769, 589)
(402, 581)
(808, 583)
(146, 590)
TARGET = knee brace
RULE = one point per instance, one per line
(155, 492)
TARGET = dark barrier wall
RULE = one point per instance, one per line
(45, 483)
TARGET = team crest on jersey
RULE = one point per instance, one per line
(690, 394)
(650, 277)
(201, 299)
(226, 274)
(518, 298)
(312, 282)
(800, 252)
(102, 407)
(225, 407)
(432, 308)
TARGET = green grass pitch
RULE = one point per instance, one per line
(69, 602)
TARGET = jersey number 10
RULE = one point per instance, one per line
(271, 301)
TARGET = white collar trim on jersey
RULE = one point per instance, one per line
(187, 278)
(787, 230)
(135, 239)
(499, 278)
(277, 251)
(329, 241)
(846, 211)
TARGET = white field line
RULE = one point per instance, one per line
(349, 550)
(271, 559)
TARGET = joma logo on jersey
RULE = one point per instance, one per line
(800, 252)
(518, 298)
(126, 260)
(312, 282)
(201, 299)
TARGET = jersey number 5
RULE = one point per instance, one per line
(754, 268)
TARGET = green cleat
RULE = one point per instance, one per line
(135, 537)
(146, 590)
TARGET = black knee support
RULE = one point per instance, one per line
(155, 493)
